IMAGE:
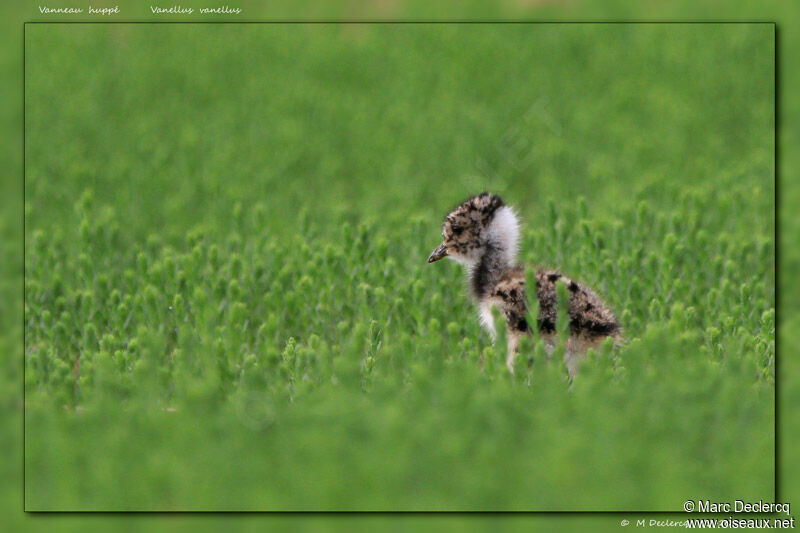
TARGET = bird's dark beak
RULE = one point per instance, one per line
(438, 253)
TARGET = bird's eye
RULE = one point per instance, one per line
(457, 229)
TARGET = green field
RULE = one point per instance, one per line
(227, 304)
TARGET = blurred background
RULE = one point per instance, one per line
(559, 167)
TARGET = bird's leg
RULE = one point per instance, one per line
(487, 319)
(550, 340)
(514, 337)
(509, 294)
(572, 356)
(517, 328)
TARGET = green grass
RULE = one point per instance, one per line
(227, 300)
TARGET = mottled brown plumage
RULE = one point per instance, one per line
(482, 233)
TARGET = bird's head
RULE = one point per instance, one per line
(476, 225)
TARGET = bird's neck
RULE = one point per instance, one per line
(490, 268)
(498, 253)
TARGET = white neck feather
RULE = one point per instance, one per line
(504, 232)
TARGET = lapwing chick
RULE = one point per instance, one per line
(482, 234)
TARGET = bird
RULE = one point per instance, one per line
(482, 234)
